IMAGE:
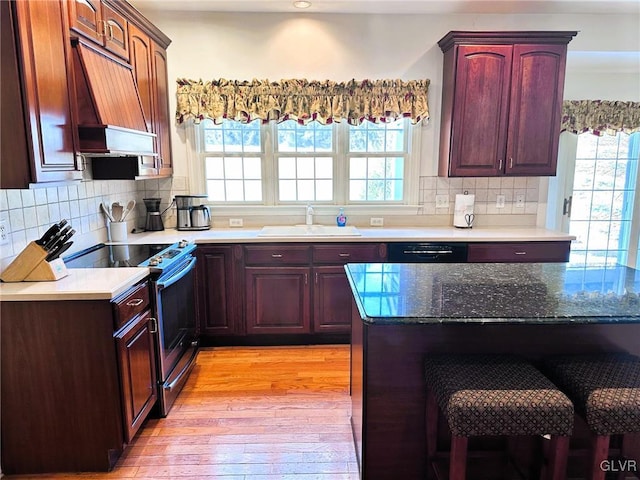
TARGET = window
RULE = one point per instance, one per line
(604, 203)
(289, 163)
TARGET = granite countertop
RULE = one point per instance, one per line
(80, 284)
(536, 293)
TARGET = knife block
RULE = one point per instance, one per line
(30, 266)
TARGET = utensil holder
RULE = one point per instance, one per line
(30, 265)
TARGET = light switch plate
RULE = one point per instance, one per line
(500, 201)
(520, 200)
(235, 222)
(376, 222)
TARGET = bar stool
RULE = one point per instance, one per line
(605, 389)
(486, 395)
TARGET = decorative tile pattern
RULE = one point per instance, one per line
(497, 395)
(605, 389)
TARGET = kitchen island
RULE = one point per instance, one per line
(403, 311)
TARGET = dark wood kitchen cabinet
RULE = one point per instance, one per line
(331, 292)
(502, 102)
(277, 289)
(101, 23)
(90, 383)
(149, 62)
(39, 137)
(136, 357)
(519, 252)
(219, 295)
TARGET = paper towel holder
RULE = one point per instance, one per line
(463, 215)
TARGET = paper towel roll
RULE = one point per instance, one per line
(463, 212)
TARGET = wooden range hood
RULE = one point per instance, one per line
(110, 117)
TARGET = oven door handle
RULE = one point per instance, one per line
(189, 265)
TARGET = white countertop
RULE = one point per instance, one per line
(108, 283)
(398, 234)
(80, 284)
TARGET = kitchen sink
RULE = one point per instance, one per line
(309, 231)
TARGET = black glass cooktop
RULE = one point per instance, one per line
(113, 256)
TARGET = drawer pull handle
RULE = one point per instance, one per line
(344, 255)
(276, 255)
(135, 302)
(520, 253)
(153, 328)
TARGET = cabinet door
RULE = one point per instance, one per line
(480, 110)
(219, 307)
(161, 116)
(116, 36)
(536, 108)
(278, 300)
(85, 18)
(136, 354)
(140, 59)
(331, 300)
(41, 72)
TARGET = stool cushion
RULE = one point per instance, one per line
(604, 387)
(497, 395)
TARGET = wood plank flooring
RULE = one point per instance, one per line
(260, 413)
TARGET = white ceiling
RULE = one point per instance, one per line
(399, 6)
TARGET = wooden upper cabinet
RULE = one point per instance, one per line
(535, 111)
(149, 62)
(502, 102)
(140, 59)
(161, 117)
(97, 21)
(480, 116)
(85, 18)
(36, 95)
(116, 37)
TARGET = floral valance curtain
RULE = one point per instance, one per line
(302, 100)
(600, 116)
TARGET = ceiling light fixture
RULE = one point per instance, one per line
(301, 4)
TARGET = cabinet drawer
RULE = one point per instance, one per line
(358, 252)
(277, 254)
(132, 303)
(519, 252)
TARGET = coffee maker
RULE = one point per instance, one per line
(153, 222)
(191, 214)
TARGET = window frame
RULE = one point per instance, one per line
(270, 204)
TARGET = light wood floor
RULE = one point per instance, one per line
(258, 413)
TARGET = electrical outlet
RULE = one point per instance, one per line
(500, 201)
(4, 233)
(235, 222)
(442, 201)
(376, 222)
(520, 200)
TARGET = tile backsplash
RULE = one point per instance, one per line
(28, 213)
(485, 190)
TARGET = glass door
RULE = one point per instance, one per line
(600, 205)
